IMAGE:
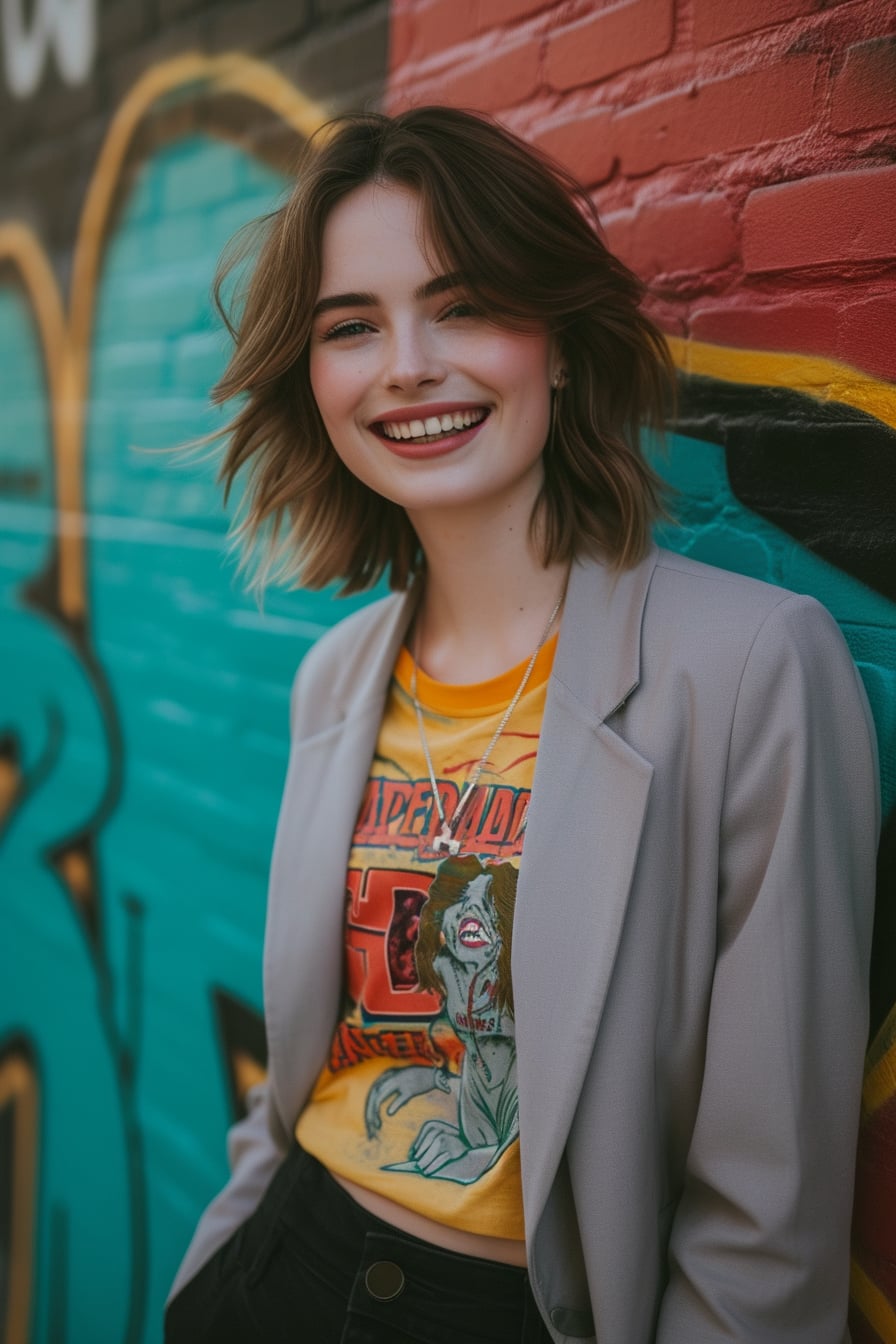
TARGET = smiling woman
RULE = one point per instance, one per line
(570, 902)
(392, 369)
(503, 246)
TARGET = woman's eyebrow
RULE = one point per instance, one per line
(344, 301)
(438, 285)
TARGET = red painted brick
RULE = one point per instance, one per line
(719, 116)
(866, 334)
(584, 145)
(819, 221)
(865, 88)
(797, 325)
(613, 39)
(504, 78)
(401, 38)
(693, 233)
(715, 20)
(835, 324)
(874, 1227)
(443, 24)
(496, 12)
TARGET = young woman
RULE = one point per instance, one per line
(571, 895)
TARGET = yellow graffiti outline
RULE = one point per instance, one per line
(874, 1305)
(65, 339)
(880, 1065)
(823, 379)
(18, 1086)
(66, 343)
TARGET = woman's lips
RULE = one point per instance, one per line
(435, 444)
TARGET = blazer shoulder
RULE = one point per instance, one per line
(712, 587)
(721, 615)
(343, 666)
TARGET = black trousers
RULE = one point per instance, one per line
(312, 1267)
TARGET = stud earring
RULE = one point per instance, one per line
(558, 380)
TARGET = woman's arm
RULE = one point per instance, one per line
(759, 1249)
(255, 1148)
(257, 1144)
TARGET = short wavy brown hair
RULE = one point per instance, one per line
(524, 236)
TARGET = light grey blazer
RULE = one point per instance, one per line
(690, 952)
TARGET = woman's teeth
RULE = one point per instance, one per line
(433, 427)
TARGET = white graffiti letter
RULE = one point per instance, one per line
(68, 26)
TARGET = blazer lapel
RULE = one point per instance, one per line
(588, 801)
(328, 768)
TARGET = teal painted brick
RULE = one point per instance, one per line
(880, 683)
(142, 198)
(198, 359)
(205, 173)
(127, 368)
(731, 548)
(183, 237)
(255, 178)
(127, 253)
(229, 218)
(104, 432)
(24, 436)
(165, 300)
(159, 415)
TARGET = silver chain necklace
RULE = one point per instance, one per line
(445, 839)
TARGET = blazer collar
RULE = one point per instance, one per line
(598, 654)
(598, 657)
(589, 801)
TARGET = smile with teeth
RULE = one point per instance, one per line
(433, 428)
(472, 934)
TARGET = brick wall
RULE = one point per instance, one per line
(741, 154)
(335, 51)
(143, 696)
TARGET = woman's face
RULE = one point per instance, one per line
(425, 400)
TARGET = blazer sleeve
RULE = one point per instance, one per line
(759, 1248)
(255, 1148)
(257, 1144)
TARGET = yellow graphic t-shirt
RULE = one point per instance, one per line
(418, 1099)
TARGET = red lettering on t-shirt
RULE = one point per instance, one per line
(495, 829)
(351, 1045)
(381, 932)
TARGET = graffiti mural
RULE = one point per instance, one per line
(137, 676)
(741, 159)
(143, 695)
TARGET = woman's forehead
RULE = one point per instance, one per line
(379, 224)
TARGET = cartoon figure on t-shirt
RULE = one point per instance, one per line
(463, 954)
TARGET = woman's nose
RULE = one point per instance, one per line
(412, 359)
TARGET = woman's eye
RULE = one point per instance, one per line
(352, 326)
(462, 308)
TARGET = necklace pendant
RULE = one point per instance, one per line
(446, 841)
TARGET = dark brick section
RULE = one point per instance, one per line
(341, 65)
(819, 471)
(335, 51)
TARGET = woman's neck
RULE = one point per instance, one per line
(486, 599)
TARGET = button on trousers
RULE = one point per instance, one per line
(312, 1267)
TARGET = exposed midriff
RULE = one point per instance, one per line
(503, 1249)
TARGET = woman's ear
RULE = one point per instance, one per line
(557, 365)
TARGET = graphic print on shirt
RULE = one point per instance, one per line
(462, 955)
(417, 1097)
